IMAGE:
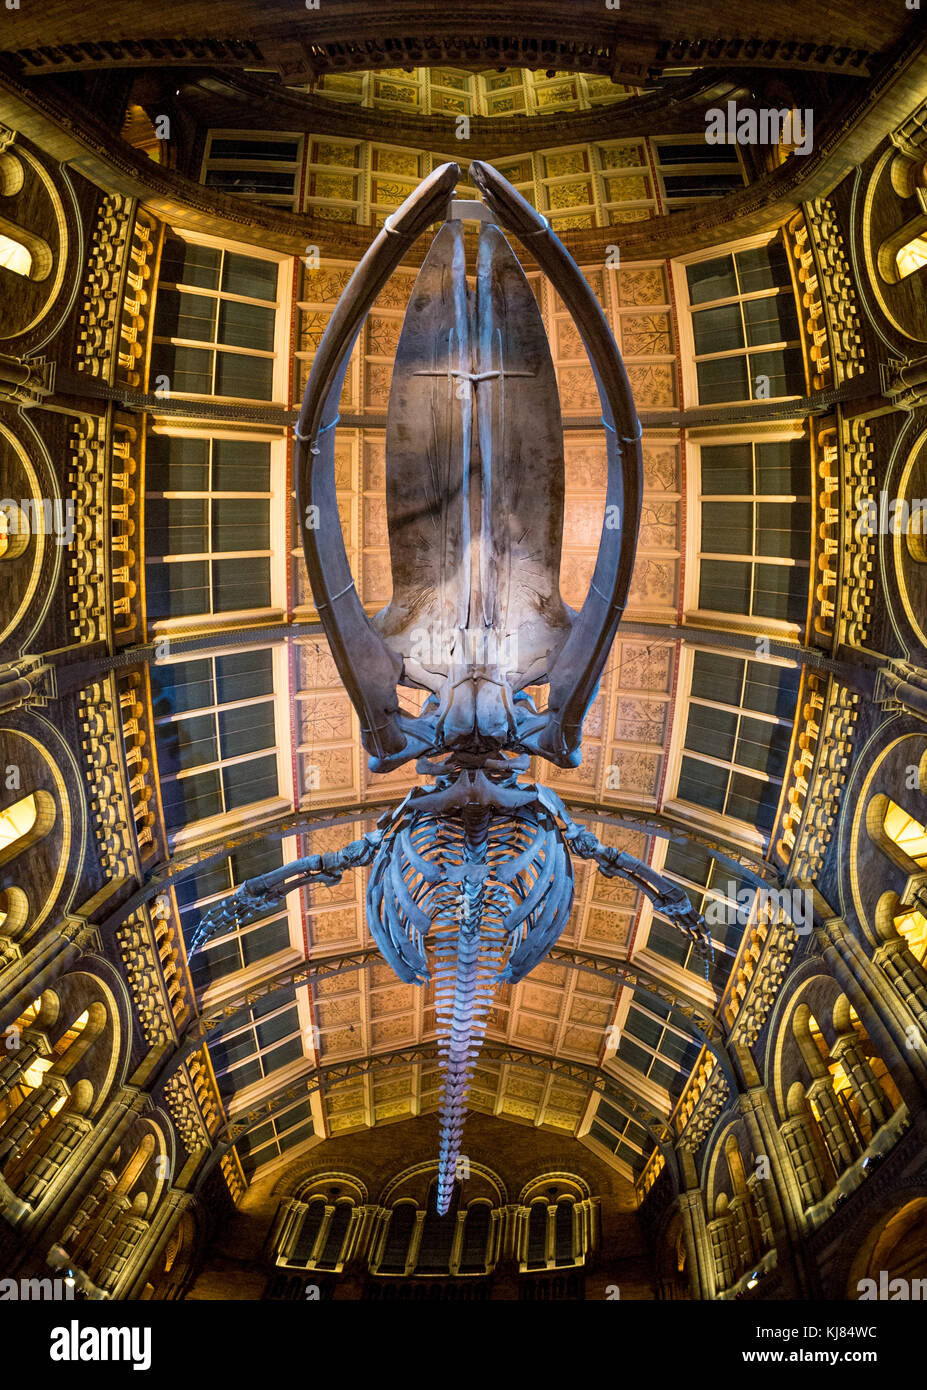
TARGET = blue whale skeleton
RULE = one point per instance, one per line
(471, 878)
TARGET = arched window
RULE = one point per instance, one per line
(333, 1250)
(907, 833)
(563, 1232)
(437, 1243)
(473, 1254)
(24, 823)
(537, 1235)
(398, 1235)
(301, 1252)
(15, 256)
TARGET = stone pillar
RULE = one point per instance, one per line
(318, 1245)
(153, 1245)
(841, 1143)
(804, 1160)
(699, 1258)
(16, 1060)
(880, 1009)
(288, 1232)
(723, 1250)
(872, 1099)
(17, 1131)
(457, 1243)
(61, 1137)
(415, 1242)
(127, 1234)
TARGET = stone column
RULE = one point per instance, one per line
(880, 1009)
(699, 1259)
(872, 1099)
(842, 1144)
(16, 1132)
(723, 1249)
(150, 1249)
(61, 1137)
(804, 1160)
(15, 1060)
(415, 1242)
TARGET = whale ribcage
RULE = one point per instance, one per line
(476, 894)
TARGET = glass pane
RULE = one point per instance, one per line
(246, 729)
(716, 677)
(703, 784)
(718, 330)
(226, 1054)
(176, 527)
(727, 527)
(665, 941)
(241, 148)
(784, 528)
(183, 315)
(727, 468)
(764, 747)
(185, 263)
(710, 280)
(191, 742)
(771, 689)
(188, 370)
(724, 585)
(176, 465)
(240, 465)
(254, 181)
(191, 798)
(181, 686)
(176, 590)
(245, 783)
(244, 675)
(215, 962)
(781, 591)
(722, 379)
(762, 268)
(783, 468)
(711, 731)
(701, 183)
(250, 276)
(280, 1026)
(238, 584)
(646, 1030)
(784, 369)
(240, 523)
(250, 325)
(697, 153)
(771, 319)
(250, 378)
(753, 801)
(265, 940)
(688, 861)
(282, 1055)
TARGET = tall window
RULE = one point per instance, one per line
(268, 1141)
(692, 170)
(214, 323)
(256, 166)
(216, 740)
(207, 525)
(756, 529)
(272, 1039)
(716, 892)
(240, 949)
(622, 1136)
(738, 735)
(655, 1047)
(744, 326)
